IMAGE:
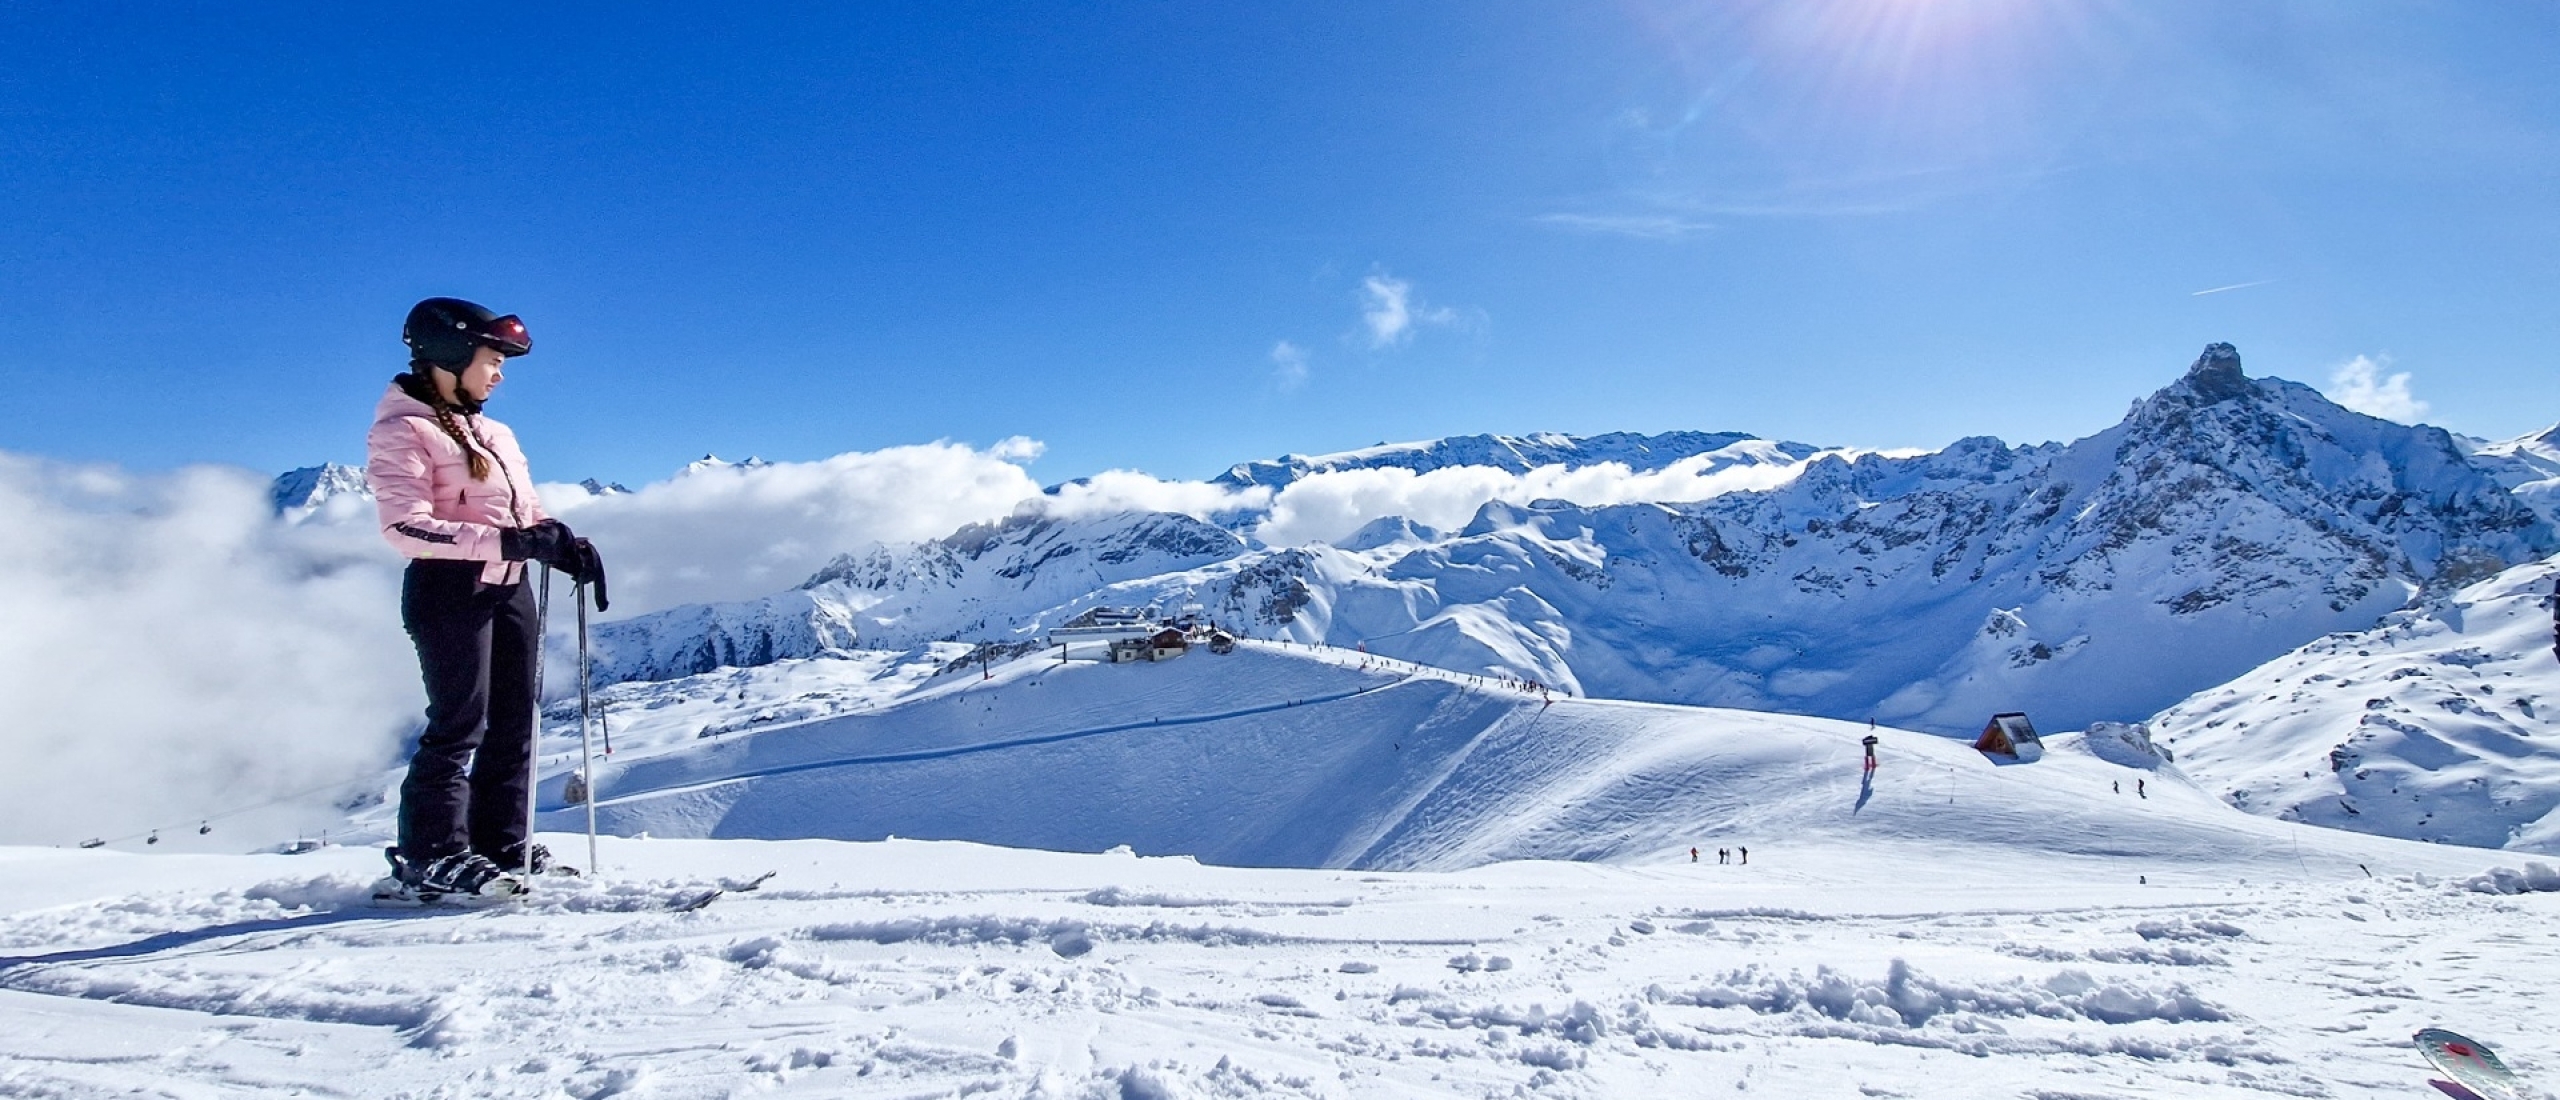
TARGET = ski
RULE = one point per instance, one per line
(690, 903)
(391, 893)
(2471, 1064)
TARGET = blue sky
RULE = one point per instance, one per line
(1175, 236)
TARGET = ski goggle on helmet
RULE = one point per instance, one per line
(445, 330)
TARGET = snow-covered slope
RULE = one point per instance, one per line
(2529, 466)
(2441, 723)
(2088, 924)
(1283, 755)
(2140, 955)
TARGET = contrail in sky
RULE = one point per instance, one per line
(2234, 286)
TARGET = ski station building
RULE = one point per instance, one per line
(2010, 735)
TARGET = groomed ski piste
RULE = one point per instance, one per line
(1296, 872)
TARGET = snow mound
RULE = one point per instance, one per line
(2124, 744)
(2535, 878)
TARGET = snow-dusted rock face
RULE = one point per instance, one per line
(710, 463)
(299, 493)
(1010, 579)
(699, 638)
(2440, 723)
(2224, 522)
(1519, 454)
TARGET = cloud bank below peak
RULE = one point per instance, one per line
(152, 608)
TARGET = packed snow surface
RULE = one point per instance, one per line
(1967, 966)
(2088, 924)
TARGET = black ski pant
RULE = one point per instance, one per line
(477, 648)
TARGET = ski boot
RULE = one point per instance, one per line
(514, 862)
(463, 878)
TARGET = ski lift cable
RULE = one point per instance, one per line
(205, 821)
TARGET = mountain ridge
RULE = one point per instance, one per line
(2223, 522)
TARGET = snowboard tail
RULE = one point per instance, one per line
(2471, 1064)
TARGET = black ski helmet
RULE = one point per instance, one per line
(443, 331)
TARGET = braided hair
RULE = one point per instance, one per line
(419, 384)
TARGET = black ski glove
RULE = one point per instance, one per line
(587, 567)
(546, 542)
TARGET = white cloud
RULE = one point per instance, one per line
(1128, 490)
(172, 651)
(1390, 311)
(1328, 506)
(738, 532)
(1389, 317)
(1288, 365)
(1017, 448)
(2360, 385)
(1651, 227)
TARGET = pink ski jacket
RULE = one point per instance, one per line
(422, 486)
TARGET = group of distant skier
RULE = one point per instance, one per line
(1725, 855)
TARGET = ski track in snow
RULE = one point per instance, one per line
(911, 968)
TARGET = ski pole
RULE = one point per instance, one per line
(533, 744)
(586, 728)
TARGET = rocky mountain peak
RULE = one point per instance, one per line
(2216, 376)
(305, 490)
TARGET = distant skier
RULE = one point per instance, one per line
(455, 497)
(2140, 790)
(1724, 855)
(2116, 785)
(1693, 855)
(1870, 743)
(1746, 855)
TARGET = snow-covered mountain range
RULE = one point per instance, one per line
(2225, 521)
(1520, 454)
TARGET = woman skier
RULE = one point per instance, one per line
(456, 498)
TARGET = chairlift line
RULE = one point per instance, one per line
(204, 824)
